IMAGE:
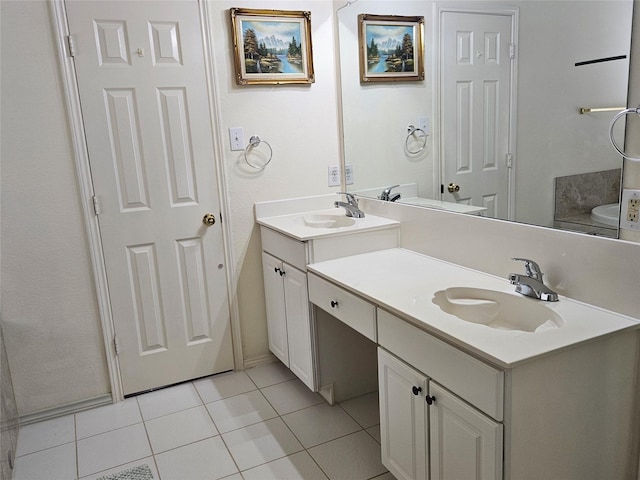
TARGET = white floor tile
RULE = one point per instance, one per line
(270, 374)
(240, 411)
(260, 443)
(111, 449)
(224, 385)
(374, 432)
(235, 476)
(319, 424)
(385, 476)
(207, 459)
(109, 417)
(364, 409)
(57, 463)
(168, 400)
(290, 396)
(299, 466)
(145, 461)
(46, 434)
(354, 457)
(180, 428)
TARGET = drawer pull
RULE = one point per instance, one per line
(416, 390)
(430, 399)
(334, 304)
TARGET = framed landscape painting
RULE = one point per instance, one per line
(391, 48)
(272, 46)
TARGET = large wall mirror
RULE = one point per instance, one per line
(557, 163)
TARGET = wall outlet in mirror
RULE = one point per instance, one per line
(630, 209)
(348, 174)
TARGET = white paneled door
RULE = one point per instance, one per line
(476, 54)
(142, 81)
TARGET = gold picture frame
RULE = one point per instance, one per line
(272, 46)
(391, 48)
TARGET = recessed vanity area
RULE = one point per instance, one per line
(469, 387)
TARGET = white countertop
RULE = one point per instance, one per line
(441, 205)
(294, 224)
(404, 282)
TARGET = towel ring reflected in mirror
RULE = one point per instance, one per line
(411, 129)
(254, 142)
(623, 113)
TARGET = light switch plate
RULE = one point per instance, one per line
(236, 137)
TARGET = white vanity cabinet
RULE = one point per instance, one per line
(428, 432)
(290, 318)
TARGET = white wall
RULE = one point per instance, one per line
(300, 122)
(49, 309)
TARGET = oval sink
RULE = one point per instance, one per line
(498, 310)
(608, 214)
(323, 220)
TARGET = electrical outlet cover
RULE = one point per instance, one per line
(630, 209)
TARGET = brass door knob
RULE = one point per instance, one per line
(453, 188)
(209, 219)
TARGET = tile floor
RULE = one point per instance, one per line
(255, 425)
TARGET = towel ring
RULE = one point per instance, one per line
(410, 131)
(254, 141)
(627, 111)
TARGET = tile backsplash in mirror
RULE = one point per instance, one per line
(577, 195)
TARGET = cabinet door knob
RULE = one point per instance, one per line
(334, 304)
(416, 390)
(430, 399)
(277, 270)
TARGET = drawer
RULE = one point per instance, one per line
(478, 383)
(346, 307)
(285, 248)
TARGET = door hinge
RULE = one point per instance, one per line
(509, 160)
(512, 51)
(71, 46)
(442, 188)
(116, 345)
(96, 206)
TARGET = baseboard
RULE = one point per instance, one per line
(257, 361)
(63, 410)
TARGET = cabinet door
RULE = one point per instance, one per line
(298, 324)
(274, 300)
(465, 444)
(403, 418)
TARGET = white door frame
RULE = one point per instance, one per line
(439, 8)
(83, 172)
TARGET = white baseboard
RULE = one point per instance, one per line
(257, 361)
(68, 409)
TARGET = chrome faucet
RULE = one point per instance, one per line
(350, 206)
(386, 194)
(531, 284)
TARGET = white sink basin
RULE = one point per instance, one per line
(608, 214)
(323, 220)
(499, 310)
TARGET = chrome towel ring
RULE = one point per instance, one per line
(254, 141)
(410, 131)
(623, 113)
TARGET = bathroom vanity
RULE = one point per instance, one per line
(475, 381)
(289, 244)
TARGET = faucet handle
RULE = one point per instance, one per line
(351, 198)
(530, 267)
